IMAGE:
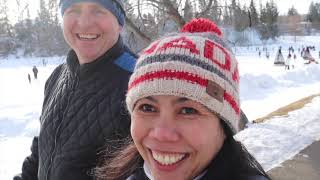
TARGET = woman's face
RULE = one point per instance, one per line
(176, 137)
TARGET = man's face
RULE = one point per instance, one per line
(90, 30)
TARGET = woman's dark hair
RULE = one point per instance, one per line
(232, 162)
(120, 164)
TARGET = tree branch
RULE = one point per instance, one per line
(137, 30)
(205, 11)
(172, 11)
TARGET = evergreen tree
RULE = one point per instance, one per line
(268, 18)
(49, 36)
(216, 12)
(187, 11)
(233, 10)
(25, 34)
(44, 14)
(253, 14)
(314, 13)
(293, 11)
(53, 10)
(5, 25)
(240, 17)
(227, 20)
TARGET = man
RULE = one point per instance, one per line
(83, 106)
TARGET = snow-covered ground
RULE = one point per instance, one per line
(20, 108)
(264, 88)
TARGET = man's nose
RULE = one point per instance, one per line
(85, 20)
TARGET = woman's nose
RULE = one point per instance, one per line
(165, 130)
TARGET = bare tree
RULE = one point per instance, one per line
(148, 18)
(5, 25)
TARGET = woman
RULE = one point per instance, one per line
(183, 98)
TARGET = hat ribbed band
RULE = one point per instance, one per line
(114, 6)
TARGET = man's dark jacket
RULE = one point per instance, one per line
(83, 112)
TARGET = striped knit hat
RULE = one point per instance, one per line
(195, 63)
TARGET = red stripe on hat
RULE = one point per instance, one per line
(166, 74)
(186, 76)
(232, 102)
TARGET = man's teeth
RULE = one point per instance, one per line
(88, 36)
(167, 159)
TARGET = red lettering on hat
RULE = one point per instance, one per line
(235, 75)
(208, 53)
(183, 43)
(152, 48)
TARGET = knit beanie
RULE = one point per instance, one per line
(195, 63)
(114, 6)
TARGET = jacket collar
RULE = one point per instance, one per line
(147, 172)
(85, 70)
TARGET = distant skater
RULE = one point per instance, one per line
(279, 58)
(44, 63)
(29, 78)
(35, 72)
(288, 62)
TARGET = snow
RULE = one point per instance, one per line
(281, 138)
(20, 109)
(263, 84)
(264, 88)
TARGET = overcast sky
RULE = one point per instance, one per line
(283, 5)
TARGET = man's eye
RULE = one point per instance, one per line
(188, 110)
(99, 11)
(73, 11)
(147, 108)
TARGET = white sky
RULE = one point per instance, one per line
(283, 5)
(33, 8)
(301, 5)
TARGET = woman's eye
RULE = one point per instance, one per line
(147, 108)
(188, 110)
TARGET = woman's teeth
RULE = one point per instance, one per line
(167, 159)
